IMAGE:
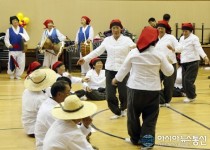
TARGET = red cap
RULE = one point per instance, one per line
(148, 36)
(187, 26)
(33, 66)
(56, 65)
(47, 21)
(94, 60)
(162, 23)
(87, 19)
(116, 22)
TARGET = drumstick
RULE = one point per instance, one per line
(50, 52)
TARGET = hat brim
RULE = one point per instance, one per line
(49, 81)
(87, 110)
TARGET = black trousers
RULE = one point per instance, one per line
(96, 95)
(189, 75)
(145, 103)
(111, 92)
(168, 83)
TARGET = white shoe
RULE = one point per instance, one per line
(128, 140)
(18, 78)
(83, 98)
(188, 100)
(162, 105)
(146, 148)
(114, 117)
(124, 113)
(167, 104)
(11, 77)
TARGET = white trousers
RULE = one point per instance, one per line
(19, 56)
(85, 67)
(49, 59)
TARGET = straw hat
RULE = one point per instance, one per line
(73, 108)
(40, 79)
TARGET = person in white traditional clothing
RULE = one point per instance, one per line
(59, 90)
(60, 69)
(117, 46)
(84, 34)
(65, 134)
(178, 88)
(15, 39)
(56, 37)
(161, 46)
(144, 64)
(190, 58)
(34, 95)
(95, 87)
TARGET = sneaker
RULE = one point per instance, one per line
(83, 98)
(123, 113)
(167, 104)
(18, 78)
(146, 148)
(162, 105)
(188, 100)
(11, 77)
(128, 140)
(114, 117)
(184, 94)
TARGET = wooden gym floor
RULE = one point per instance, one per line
(180, 127)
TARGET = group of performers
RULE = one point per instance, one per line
(143, 66)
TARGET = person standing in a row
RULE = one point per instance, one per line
(15, 38)
(190, 59)
(117, 47)
(144, 64)
(50, 32)
(84, 34)
(165, 40)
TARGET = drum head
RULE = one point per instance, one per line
(47, 44)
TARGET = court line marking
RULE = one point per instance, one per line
(112, 135)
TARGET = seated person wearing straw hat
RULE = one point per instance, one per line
(59, 90)
(34, 95)
(64, 133)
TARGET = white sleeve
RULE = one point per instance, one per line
(76, 79)
(91, 34)
(131, 43)
(198, 47)
(85, 130)
(125, 68)
(166, 67)
(176, 45)
(44, 36)
(61, 37)
(6, 39)
(77, 38)
(95, 53)
(79, 142)
(25, 35)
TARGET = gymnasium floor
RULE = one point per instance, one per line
(180, 127)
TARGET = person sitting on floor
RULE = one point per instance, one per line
(59, 90)
(34, 95)
(178, 88)
(60, 69)
(32, 67)
(65, 132)
(95, 87)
